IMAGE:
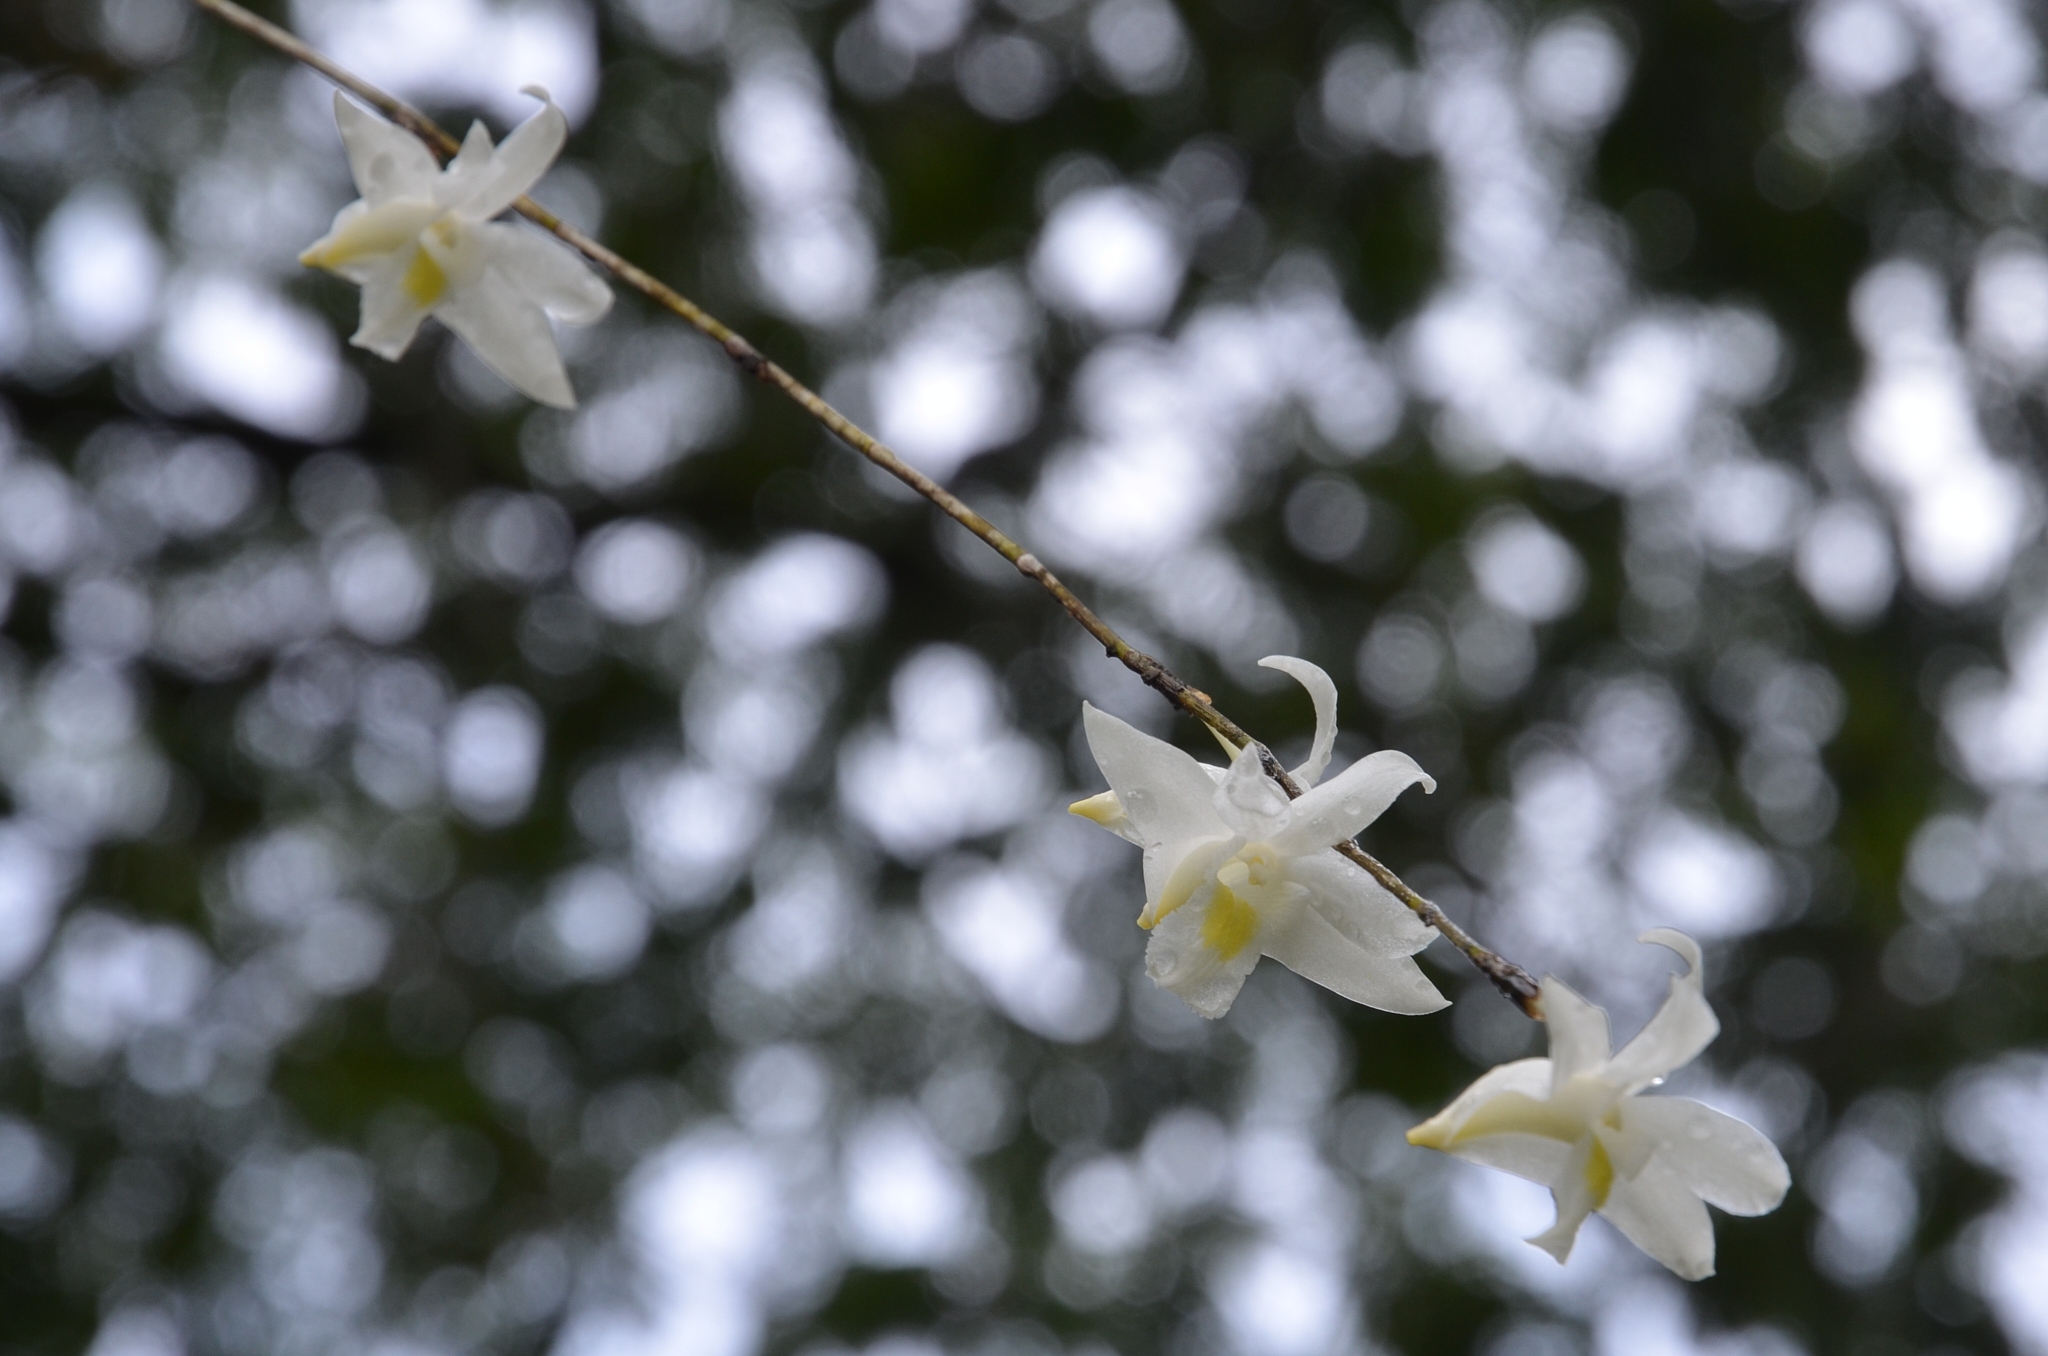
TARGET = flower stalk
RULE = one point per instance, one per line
(1515, 983)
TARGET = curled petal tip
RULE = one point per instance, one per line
(539, 92)
(1674, 940)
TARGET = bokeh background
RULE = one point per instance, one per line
(478, 878)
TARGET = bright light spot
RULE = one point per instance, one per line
(960, 382)
(675, 399)
(921, 27)
(341, 946)
(1946, 860)
(110, 978)
(636, 572)
(1846, 562)
(952, 768)
(138, 1332)
(379, 584)
(1101, 1206)
(1525, 568)
(754, 724)
(908, 1201)
(1869, 1207)
(1963, 513)
(461, 52)
(798, 592)
(257, 357)
(781, 1089)
(2009, 305)
(39, 515)
(1748, 510)
(1281, 1303)
(1983, 52)
(1401, 661)
(597, 922)
(1186, 1159)
(1140, 43)
(100, 268)
(1109, 255)
(31, 1175)
(1701, 878)
(813, 255)
(491, 754)
(1008, 77)
(691, 829)
(799, 926)
(1576, 73)
(1859, 47)
(33, 881)
(1007, 928)
(684, 27)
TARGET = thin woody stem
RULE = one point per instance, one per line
(1513, 981)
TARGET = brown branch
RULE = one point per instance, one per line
(1513, 981)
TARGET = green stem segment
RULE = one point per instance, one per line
(1514, 982)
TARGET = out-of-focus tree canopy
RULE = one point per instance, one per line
(481, 878)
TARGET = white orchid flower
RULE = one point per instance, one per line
(421, 241)
(1574, 1123)
(1234, 870)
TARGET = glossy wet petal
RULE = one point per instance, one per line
(1578, 1031)
(1323, 693)
(1528, 1077)
(1308, 945)
(1339, 808)
(1178, 960)
(1359, 906)
(1249, 801)
(1681, 1028)
(1572, 1191)
(1659, 1214)
(1163, 790)
(1724, 1161)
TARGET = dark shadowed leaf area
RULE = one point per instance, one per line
(482, 878)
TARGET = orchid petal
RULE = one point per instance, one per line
(1529, 1077)
(1659, 1214)
(518, 164)
(387, 161)
(511, 335)
(1176, 873)
(1572, 1192)
(1177, 960)
(1533, 1158)
(1107, 811)
(550, 274)
(1323, 693)
(391, 317)
(1720, 1159)
(1165, 792)
(467, 172)
(1340, 807)
(1578, 1032)
(1683, 1027)
(1249, 801)
(362, 234)
(1313, 949)
(1359, 906)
